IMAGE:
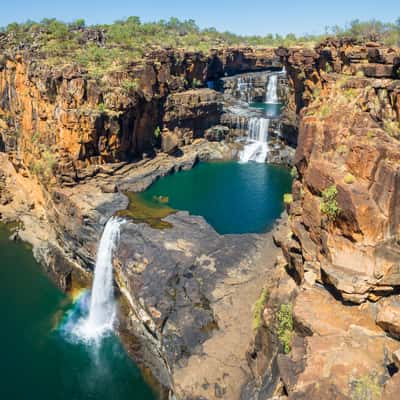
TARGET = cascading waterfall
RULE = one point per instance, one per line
(100, 315)
(257, 147)
(272, 90)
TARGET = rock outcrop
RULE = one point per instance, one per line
(75, 144)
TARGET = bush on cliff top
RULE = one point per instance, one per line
(126, 40)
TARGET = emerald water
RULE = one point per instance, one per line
(232, 197)
(271, 110)
(37, 361)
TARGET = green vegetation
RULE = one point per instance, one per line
(258, 309)
(366, 388)
(44, 166)
(349, 179)
(285, 326)
(392, 128)
(157, 132)
(288, 198)
(329, 204)
(350, 94)
(107, 47)
(294, 173)
(129, 85)
(324, 111)
(101, 108)
(196, 83)
(328, 68)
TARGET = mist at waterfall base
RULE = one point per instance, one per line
(36, 360)
(232, 197)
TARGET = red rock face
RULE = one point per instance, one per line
(57, 122)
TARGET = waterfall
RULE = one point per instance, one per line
(245, 88)
(98, 319)
(257, 147)
(272, 90)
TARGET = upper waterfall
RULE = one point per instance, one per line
(272, 90)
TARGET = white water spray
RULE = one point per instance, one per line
(101, 314)
(272, 90)
(257, 147)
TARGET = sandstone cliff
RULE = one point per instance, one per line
(76, 143)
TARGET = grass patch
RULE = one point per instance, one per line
(258, 309)
(366, 388)
(285, 326)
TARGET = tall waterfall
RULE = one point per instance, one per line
(257, 147)
(272, 90)
(98, 319)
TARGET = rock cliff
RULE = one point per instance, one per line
(73, 144)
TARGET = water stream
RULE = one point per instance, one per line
(101, 313)
(256, 147)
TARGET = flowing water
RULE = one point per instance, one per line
(256, 147)
(232, 197)
(272, 90)
(37, 362)
(101, 312)
(257, 136)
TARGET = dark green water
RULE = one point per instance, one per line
(37, 363)
(271, 110)
(232, 197)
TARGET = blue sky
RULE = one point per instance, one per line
(239, 16)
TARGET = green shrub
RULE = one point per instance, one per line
(101, 108)
(258, 309)
(328, 68)
(196, 83)
(294, 173)
(392, 128)
(285, 326)
(366, 388)
(329, 205)
(350, 94)
(349, 179)
(129, 85)
(157, 132)
(324, 110)
(288, 198)
(360, 73)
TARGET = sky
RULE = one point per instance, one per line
(238, 16)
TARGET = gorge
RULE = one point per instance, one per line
(213, 291)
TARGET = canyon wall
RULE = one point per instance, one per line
(89, 140)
